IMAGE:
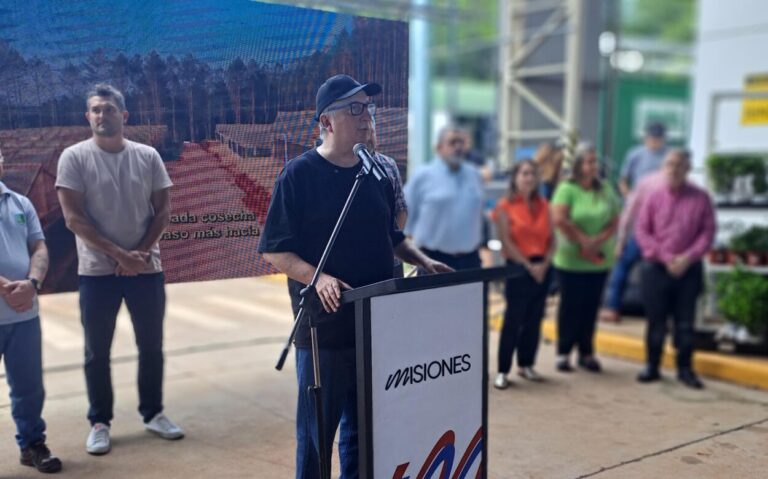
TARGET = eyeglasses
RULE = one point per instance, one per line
(356, 108)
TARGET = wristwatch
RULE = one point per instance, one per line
(35, 283)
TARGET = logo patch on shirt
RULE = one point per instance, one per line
(21, 218)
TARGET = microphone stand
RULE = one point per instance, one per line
(309, 306)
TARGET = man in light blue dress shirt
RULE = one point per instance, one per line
(445, 203)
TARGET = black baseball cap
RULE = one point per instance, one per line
(339, 87)
(656, 130)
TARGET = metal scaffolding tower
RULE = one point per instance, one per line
(521, 20)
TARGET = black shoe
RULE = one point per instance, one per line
(40, 457)
(564, 366)
(689, 378)
(590, 364)
(649, 374)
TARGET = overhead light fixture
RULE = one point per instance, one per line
(630, 61)
(607, 43)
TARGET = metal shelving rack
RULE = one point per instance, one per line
(708, 320)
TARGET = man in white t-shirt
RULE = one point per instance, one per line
(115, 197)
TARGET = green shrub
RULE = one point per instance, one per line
(721, 173)
(754, 239)
(742, 297)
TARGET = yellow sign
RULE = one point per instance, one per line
(755, 111)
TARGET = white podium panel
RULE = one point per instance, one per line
(427, 398)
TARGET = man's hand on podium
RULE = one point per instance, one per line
(431, 266)
(329, 291)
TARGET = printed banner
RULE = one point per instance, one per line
(225, 91)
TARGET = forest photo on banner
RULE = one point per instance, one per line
(225, 91)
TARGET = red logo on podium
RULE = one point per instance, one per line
(443, 455)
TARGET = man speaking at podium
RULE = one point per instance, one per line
(309, 195)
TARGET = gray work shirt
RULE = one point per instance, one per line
(118, 191)
(19, 230)
(641, 161)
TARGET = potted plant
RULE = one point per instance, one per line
(760, 245)
(760, 181)
(738, 246)
(720, 171)
(718, 255)
(742, 298)
(751, 246)
(745, 169)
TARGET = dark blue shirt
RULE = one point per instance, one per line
(308, 197)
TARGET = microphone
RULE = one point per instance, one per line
(370, 165)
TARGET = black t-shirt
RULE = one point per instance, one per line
(306, 202)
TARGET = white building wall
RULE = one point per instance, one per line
(732, 44)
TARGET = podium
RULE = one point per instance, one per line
(422, 382)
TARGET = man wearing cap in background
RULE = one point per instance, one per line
(307, 199)
(644, 159)
(641, 161)
(23, 265)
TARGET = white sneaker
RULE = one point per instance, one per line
(98, 440)
(164, 427)
(530, 374)
(501, 381)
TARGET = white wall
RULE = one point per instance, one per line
(732, 43)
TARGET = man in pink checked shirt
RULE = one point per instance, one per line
(675, 228)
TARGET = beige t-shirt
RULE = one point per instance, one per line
(118, 189)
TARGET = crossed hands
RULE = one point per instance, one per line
(131, 263)
(677, 266)
(19, 295)
(538, 271)
(589, 248)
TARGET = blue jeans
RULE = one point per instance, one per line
(617, 283)
(339, 397)
(100, 300)
(21, 350)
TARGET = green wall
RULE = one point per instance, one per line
(640, 99)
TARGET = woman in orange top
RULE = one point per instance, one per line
(525, 228)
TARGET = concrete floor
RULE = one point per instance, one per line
(222, 340)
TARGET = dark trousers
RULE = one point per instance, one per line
(100, 300)
(526, 300)
(21, 350)
(664, 295)
(338, 376)
(455, 261)
(580, 294)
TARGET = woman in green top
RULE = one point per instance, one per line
(585, 212)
